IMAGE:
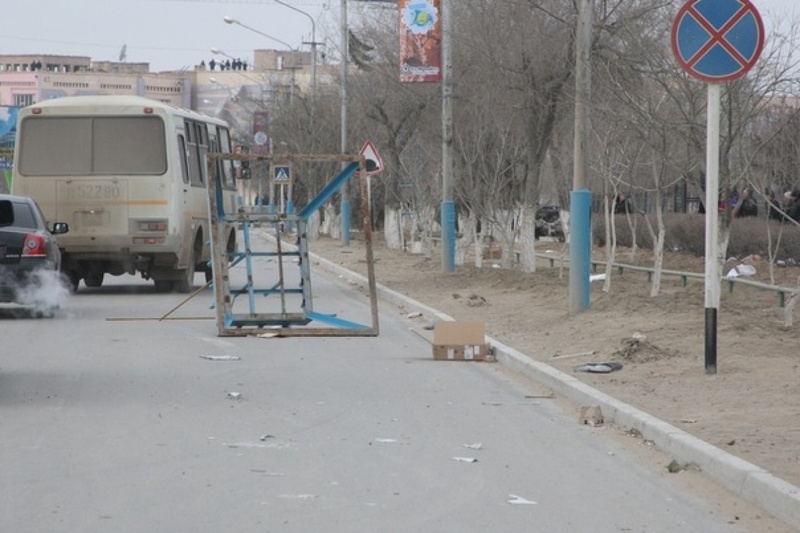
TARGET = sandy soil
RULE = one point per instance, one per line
(748, 408)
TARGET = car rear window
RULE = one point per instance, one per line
(23, 216)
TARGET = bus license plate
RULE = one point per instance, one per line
(92, 218)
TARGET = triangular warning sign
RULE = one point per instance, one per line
(373, 159)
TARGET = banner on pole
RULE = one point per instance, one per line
(260, 133)
(420, 40)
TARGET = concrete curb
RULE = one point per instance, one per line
(756, 485)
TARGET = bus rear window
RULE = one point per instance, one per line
(77, 146)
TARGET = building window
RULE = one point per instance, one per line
(22, 100)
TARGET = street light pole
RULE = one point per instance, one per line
(345, 207)
(580, 245)
(448, 215)
(313, 54)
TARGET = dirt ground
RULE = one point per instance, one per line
(749, 407)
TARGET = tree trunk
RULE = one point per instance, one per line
(788, 310)
(332, 222)
(392, 228)
(527, 233)
(467, 236)
(611, 242)
(479, 248)
(658, 247)
(313, 226)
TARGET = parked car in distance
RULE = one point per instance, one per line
(29, 255)
(549, 224)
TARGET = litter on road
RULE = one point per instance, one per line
(513, 499)
(221, 357)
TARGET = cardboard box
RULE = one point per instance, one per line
(459, 341)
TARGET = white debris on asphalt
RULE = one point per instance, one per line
(221, 357)
(465, 459)
(476, 446)
(513, 499)
(234, 395)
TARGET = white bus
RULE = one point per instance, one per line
(129, 176)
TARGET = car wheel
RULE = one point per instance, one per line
(94, 279)
(163, 285)
(74, 280)
(44, 311)
(186, 282)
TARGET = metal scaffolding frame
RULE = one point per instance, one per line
(282, 323)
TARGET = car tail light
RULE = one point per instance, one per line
(34, 245)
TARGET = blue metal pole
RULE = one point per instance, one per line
(580, 249)
(448, 207)
(448, 236)
(289, 211)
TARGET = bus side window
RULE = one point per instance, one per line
(202, 149)
(182, 150)
(195, 161)
(227, 164)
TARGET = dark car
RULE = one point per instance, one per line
(29, 256)
(548, 223)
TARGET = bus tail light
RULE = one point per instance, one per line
(159, 226)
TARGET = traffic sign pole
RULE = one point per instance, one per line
(715, 42)
(712, 226)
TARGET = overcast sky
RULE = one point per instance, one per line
(175, 34)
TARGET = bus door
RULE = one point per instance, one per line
(196, 149)
(183, 150)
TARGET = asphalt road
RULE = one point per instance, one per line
(140, 425)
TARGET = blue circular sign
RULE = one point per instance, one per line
(717, 40)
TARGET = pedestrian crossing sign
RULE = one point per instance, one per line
(282, 174)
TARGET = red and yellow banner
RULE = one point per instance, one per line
(420, 40)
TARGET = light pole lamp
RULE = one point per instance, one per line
(231, 20)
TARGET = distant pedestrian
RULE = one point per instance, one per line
(622, 204)
(746, 206)
(212, 64)
(791, 204)
(773, 205)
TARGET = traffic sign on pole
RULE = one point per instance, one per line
(281, 174)
(719, 40)
(374, 161)
(715, 41)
